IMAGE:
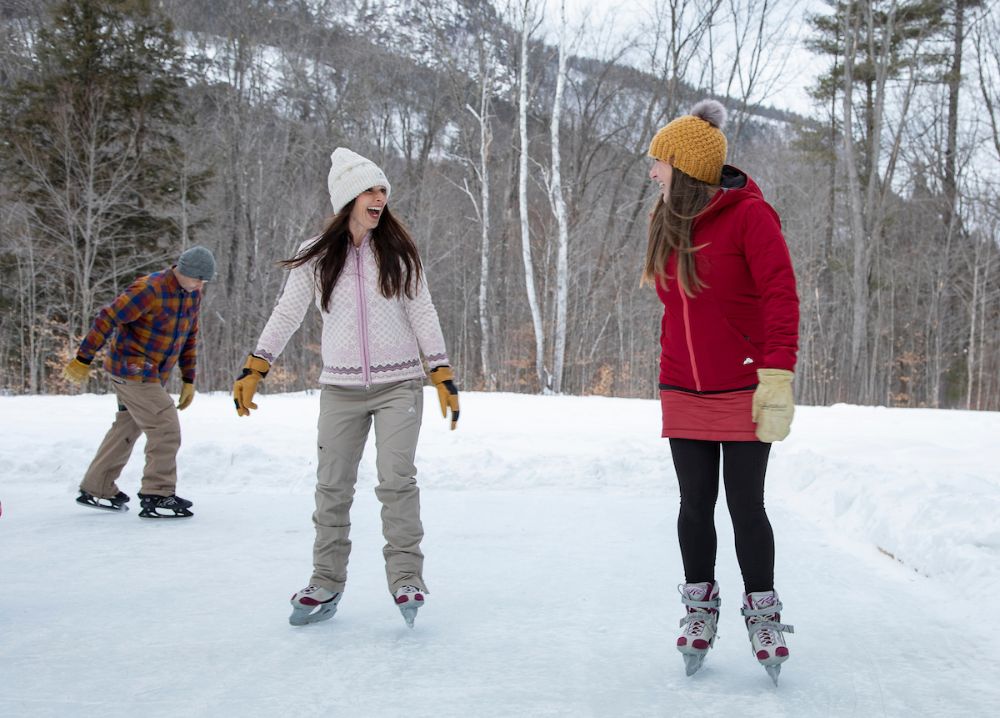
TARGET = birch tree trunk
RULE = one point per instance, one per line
(559, 207)
(485, 140)
(527, 15)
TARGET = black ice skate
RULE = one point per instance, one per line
(118, 503)
(164, 507)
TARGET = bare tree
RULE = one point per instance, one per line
(559, 208)
(752, 70)
(482, 114)
(871, 164)
(529, 22)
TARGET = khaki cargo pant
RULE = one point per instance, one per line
(143, 408)
(345, 417)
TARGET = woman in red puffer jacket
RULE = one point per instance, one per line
(729, 339)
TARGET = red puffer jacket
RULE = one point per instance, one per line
(747, 315)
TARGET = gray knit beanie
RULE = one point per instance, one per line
(197, 263)
(350, 175)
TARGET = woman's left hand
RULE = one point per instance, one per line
(443, 379)
(773, 404)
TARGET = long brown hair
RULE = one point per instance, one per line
(670, 231)
(396, 255)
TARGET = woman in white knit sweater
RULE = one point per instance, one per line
(379, 328)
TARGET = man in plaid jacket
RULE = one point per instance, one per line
(155, 326)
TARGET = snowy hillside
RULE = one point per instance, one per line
(552, 563)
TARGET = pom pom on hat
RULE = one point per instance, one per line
(694, 143)
(350, 175)
(711, 111)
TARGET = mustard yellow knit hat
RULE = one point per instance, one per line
(694, 143)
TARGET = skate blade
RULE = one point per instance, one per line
(693, 662)
(409, 614)
(774, 671)
(303, 616)
(182, 514)
(101, 507)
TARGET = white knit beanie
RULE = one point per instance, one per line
(350, 175)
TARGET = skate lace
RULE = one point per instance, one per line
(762, 626)
(697, 620)
(695, 627)
(767, 626)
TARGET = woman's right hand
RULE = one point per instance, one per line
(245, 385)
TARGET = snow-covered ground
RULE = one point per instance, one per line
(552, 562)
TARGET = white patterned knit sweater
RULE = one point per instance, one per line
(367, 339)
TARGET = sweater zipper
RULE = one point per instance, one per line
(362, 322)
(687, 337)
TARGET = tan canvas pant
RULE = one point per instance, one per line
(143, 408)
(345, 416)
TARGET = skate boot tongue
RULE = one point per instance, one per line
(762, 599)
(696, 591)
(700, 597)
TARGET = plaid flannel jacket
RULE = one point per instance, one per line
(157, 325)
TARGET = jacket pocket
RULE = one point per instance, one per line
(742, 347)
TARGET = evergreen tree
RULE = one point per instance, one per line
(893, 27)
(90, 151)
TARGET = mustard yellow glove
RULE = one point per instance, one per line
(76, 371)
(246, 384)
(773, 405)
(444, 381)
(187, 395)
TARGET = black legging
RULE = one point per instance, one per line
(744, 464)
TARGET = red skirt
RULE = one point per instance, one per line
(709, 417)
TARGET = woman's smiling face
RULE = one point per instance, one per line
(661, 172)
(368, 208)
